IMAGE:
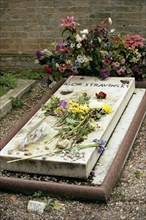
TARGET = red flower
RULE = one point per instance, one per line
(134, 41)
(107, 61)
(101, 95)
(117, 40)
(48, 69)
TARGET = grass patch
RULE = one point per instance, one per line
(16, 102)
(29, 75)
(7, 82)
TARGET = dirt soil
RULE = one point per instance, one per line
(127, 201)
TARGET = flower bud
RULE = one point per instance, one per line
(109, 20)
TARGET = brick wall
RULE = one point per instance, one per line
(30, 25)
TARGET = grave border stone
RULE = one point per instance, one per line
(118, 93)
(95, 193)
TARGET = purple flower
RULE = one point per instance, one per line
(39, 54)
(108, 44)
(62, 57)
(78, 64)
(108, 55)
(53, 60)
(62, 104)
(104, 73)
(74, 69)
(69, 41)
(101, 146)
(100, 149)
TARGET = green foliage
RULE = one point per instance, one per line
(7, 82)
(3, 90)
(38, 195)
(16, 102)
(29, 75)
(52, 105)
(116, 194)
(138, 174)
(49, 202)
(53, 204)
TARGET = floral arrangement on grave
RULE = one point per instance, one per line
(100, 52)
(77, 118)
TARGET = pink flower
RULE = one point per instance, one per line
(61, 48)
(122, 61)
(63, 67)
(121, 71)
(117, 40)
(69, 23)
(134, 41)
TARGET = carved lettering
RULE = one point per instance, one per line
(108, 85)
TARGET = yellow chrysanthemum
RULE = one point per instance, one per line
(107, 108)
(75, 107)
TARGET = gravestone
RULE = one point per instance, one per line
(36, 156)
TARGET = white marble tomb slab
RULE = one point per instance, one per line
(119, 91)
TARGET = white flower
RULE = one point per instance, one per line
(84, 36)
(68, 61)
(112, 31)
(82, 58)
(109, 20)
(116, 64)
(85, 31)
(47, 52)
(129, 70)
(57, 65)
(95, 104)
(72, 45)
(99, 39)
(79, 45)
(78, 38)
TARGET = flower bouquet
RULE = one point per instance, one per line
(100, 52)
(76, 119)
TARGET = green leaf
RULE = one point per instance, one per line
(71, 121)
(57, 206)
(49, 202)
(81, 100)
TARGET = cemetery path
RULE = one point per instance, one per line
(127, 200)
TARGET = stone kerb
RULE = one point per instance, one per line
(23, 86)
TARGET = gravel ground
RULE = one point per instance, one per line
(127, 200)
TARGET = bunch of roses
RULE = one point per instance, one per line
(98, 52)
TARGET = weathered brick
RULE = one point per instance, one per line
(27, 26)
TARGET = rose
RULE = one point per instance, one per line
(101, 95)
(48, 69)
